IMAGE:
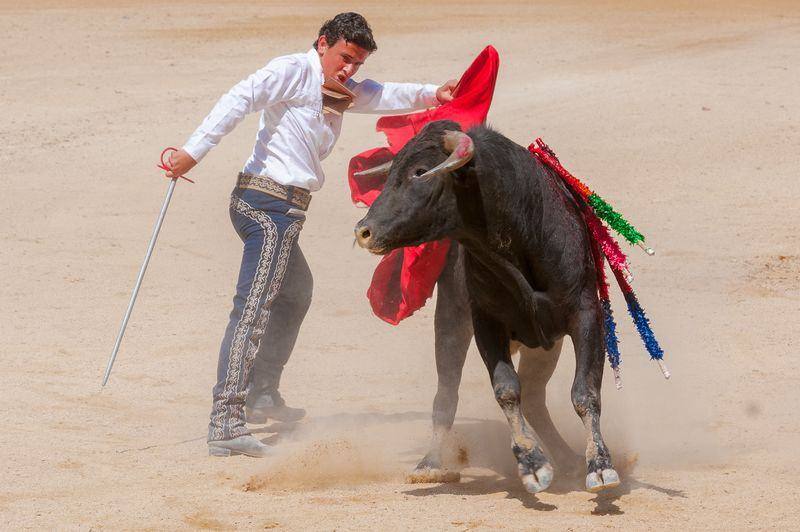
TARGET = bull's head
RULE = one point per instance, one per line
(417, 203)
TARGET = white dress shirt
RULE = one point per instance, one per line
(294, 134)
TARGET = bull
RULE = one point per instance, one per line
(528, 278)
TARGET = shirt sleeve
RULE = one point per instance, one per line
(276, 82)
(374, 97)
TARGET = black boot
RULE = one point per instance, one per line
(271, 406)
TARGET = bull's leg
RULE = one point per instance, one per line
(536, 366)
(453, 332)
(493, 343)
(589, 362)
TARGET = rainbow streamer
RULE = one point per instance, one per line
(640, 319)
(606, 212)
(609, 326)
(602, 209)
(611, 342)
(612, 346)
(614, 255)
(604, 247)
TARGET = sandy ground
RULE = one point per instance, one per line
(685, 117)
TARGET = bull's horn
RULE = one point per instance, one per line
(382, 169)
(461, 149)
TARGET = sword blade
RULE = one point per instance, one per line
(138, 284)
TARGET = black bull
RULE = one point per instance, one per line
(524, 272)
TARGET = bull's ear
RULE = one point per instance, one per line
(465, 175)
(460, 148)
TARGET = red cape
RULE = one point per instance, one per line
(404, 279)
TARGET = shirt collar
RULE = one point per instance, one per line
(316, 64)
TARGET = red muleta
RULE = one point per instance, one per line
(404, 279)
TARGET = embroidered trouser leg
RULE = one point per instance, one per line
(288, 311)
(269, 235)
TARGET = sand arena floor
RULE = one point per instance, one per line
(685, 117)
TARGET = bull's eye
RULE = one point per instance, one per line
(419, 172)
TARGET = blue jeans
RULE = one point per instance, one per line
(272, 296)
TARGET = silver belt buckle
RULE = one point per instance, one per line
(296, 213)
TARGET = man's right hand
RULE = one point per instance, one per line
(180, 162)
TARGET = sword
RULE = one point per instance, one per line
(164, 166)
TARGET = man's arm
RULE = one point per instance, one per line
(374, 97)
(272, 84)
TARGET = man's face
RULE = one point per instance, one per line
(342, 60)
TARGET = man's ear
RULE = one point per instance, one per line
(322, 44)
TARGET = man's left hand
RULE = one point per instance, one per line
(445, 93)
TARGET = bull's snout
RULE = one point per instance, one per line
(363, 235)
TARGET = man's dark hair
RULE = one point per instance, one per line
(351, 27)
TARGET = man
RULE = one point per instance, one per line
(299, 126)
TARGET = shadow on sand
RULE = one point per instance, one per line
(489, 449)
(606, 501)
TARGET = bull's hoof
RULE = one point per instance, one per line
(602, 480)
(534, 469)
(429, 470)
(432, 475)
(535, 482)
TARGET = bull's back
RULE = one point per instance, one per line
(545, 238)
